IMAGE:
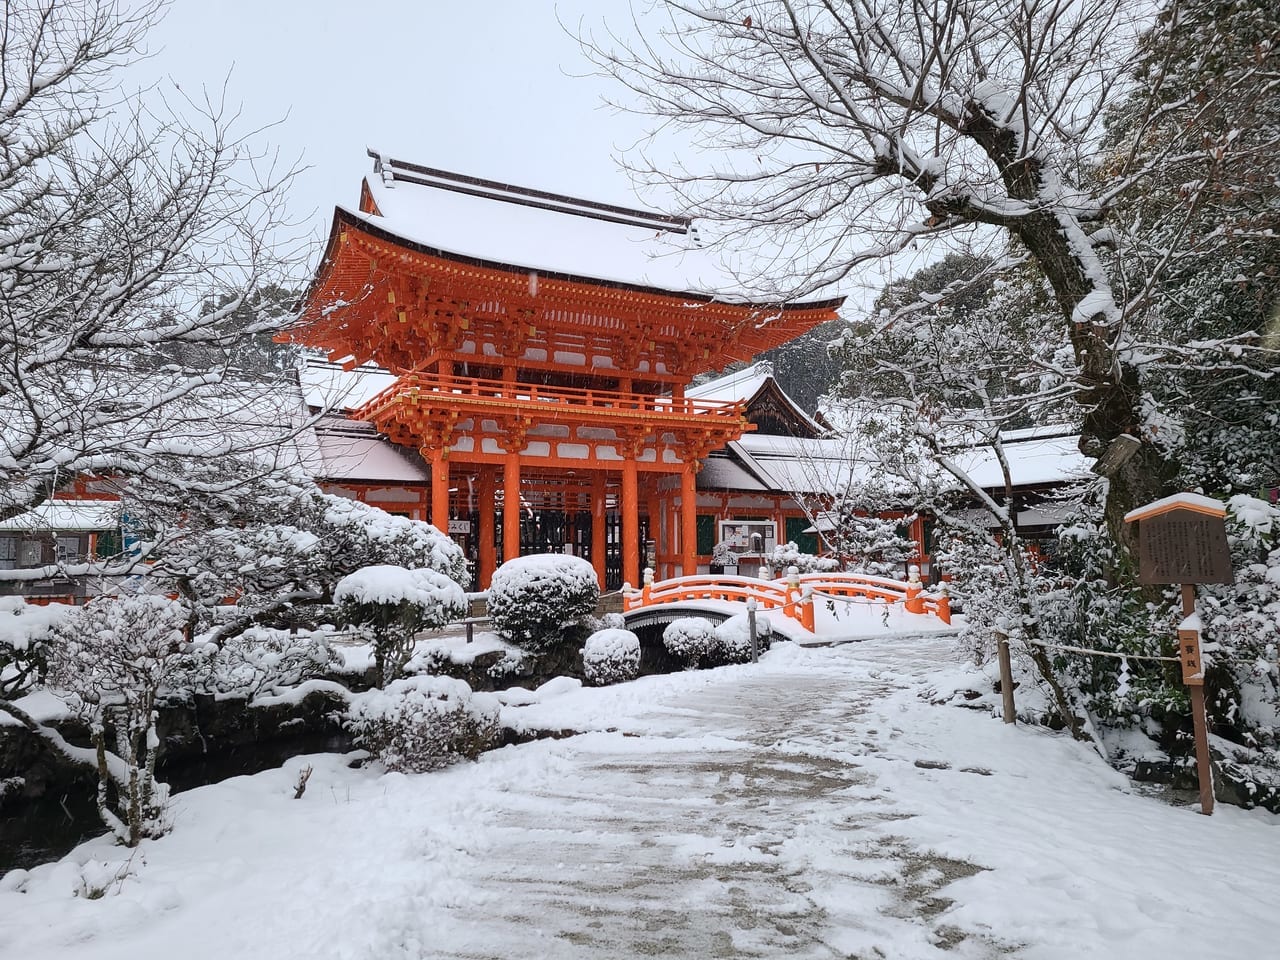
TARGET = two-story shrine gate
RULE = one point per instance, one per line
(523, 378)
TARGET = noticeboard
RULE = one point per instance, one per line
(1183, 546)
(749, 538)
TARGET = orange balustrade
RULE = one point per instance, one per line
(793, 596)
(431, 389)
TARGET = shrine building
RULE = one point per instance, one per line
(538, 352)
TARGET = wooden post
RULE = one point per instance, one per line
(487, 547)
(1193, 677)
(630, 521)
(914, 604)
(944, 603)
(1006, 677)
(439, 490)
(1183, 539)
(751, 626)
(599, 523)
(688, 520)
(511, 506)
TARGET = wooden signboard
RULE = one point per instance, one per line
(1182, 539)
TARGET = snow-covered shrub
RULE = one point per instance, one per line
(423, 723)
(789, 555)
(980, 585)
(111, 659)
(393, 604)
(1242, 636)
(610, 621)
(351, 528)
(692, 639)
(872, 545)
(611, 656)
(260, 660)
(733, 639)
(722, 555)
(277, 545)
(540, 602)
(25, 632)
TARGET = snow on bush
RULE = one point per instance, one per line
(393, 604)
(733, 639)
(611, 621)
(424, 723)
(25, 632)
(692, 639)
(540, 602)
(259, 660)
(111, 660)
(789, 555)
(395, 540)
(611, 656)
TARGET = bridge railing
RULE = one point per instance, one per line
(792, 594)
(910, 593)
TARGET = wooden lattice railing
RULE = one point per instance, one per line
(793, 595)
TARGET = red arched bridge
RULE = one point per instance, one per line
(794, 595)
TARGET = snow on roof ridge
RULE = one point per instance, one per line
(391, 171)
(754, 375)
(1196, 502)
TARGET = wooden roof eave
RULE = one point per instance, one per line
(345, 218)
(317, 281)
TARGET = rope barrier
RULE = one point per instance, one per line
(1100, 653)
(868, 601)
(1216, 658)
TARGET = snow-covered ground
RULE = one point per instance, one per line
(814, 805)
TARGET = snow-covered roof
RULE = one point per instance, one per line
(326, 386)
(815, 466)
(721, 472)
(1195, 502)
(553, 234)
(69, 515)
(735, 387)
(354, 455)
(800, 464)
(746, 385)
(1035, 461)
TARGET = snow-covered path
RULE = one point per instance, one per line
(815, 805)
(723, 839)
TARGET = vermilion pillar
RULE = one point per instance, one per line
(630, 522)
(511, 507)
(599, 523)
(439, 490)
(689, 520)
(487, 553)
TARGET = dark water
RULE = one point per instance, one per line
(40, 830)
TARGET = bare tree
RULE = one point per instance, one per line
(839, 134)
(135, 234)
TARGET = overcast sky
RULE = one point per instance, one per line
(494, 88)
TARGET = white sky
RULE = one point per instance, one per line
(494, 88)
